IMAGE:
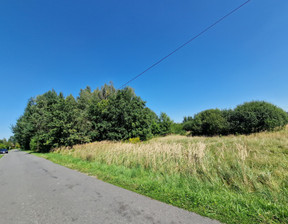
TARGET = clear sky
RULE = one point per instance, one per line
(67, 44)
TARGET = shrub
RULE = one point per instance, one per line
(227, 115)
(165, 124)
(161, 125)
(257, 116)
(34, 146)
(251, 117)
(209, 122)
(134, 140)
(177, 128)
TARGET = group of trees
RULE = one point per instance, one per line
(51, 120)
(9, 144)
(250, 117)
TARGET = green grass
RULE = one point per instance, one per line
(1, 156)
(234, 179)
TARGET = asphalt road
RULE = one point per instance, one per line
(35, 190)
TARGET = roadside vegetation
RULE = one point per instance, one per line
(9, 144)
(247, 118)
(230, 165)
(51, 120)
(1, 156)
(235, 179)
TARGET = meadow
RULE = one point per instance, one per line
(234, 179)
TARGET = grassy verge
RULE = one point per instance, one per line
(235, 179)
(1, 156)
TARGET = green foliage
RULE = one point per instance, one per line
(257, 116)
(50, 120)
(34, 144)
(3, 143)
(209, 122)
(134, 140)
(165, 124)
(122, 116)
(187, 126)
(161, 125)
(10, 144)
(177, 128)
(186, 119)
(251, 117)
(25, 127)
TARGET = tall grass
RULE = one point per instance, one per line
(251, 163)
(246, 174)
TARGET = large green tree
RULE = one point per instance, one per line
(209, 122)
(121, 116)
(50, 120)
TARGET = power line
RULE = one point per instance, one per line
(186, 43)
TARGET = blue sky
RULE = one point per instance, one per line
(68, 44)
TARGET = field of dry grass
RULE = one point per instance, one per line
(235, 179)
(249, 163)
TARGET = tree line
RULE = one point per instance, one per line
(9, 144)
(247, 118)
(51, 120)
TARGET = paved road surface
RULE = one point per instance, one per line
(35, 190)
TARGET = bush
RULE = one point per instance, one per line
(251, 117)
(227, 115)
(177, 128)
(165, 124)
(34, 146)
(209, 122)
(257, 116)
(161, 125)
(134, 140)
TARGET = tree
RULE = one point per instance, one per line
(50, 120)
(165, 124)
(25, 127)
(177, 128)
(209, 122)
(122, 116)
(251, 117)
(257, 116)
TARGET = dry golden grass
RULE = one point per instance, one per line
(236, 179)
(249, 163)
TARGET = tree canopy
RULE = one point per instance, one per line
(247, 118)
(51, 120)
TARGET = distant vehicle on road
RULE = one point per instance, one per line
(3, 151)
